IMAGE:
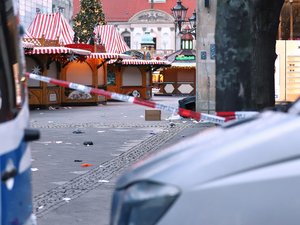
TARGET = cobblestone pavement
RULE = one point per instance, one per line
(146, 138)
(90, 180)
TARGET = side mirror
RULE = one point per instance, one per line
(31, 135)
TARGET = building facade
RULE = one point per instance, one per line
(29, 8)
(132, 19)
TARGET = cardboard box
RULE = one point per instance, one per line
(152, 115)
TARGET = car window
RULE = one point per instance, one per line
(12, 93)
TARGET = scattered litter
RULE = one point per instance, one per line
(103, 181)
(79, 172)
(68, 143)
(174, 117)
(100, 131)
(183, 121)
(86, 165)
(77, 160)
(101, 166)
(78, 131)
(50, 122)
(67, 199)
(88, 143)
(44, 142)
(58, 142)
(37, 108)
(125, 116)
(172, 124)
(41, 113)
(32, 160)
(152, 133)
(41, 207)
(142, 116)
(51, 108)
(34, 169)
(183, 136)
(49, 155)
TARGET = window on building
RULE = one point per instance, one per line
(154, 40)
(127, 39)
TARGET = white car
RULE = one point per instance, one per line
(244, 173)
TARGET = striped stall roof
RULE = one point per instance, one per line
(142, 62)
(26, 44)
(105, 55)
(111, 39)
(52, 26)
(28, 41)
(57, 50)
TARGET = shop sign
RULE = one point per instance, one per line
(185, 57)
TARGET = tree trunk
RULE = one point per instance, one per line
(265, 22)
(245, 43)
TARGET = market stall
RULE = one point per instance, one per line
(180, 77)
(133, 76)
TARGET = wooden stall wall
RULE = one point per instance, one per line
(82, 73)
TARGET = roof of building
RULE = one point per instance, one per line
(111, 39)
(182, 52)
(52, 26)
(126, 9)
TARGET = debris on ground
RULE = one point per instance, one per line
(67, 199)
(86, 165)
(103, 181)
(172, 124)
(77, 160)
(88, 143)
(78, 131)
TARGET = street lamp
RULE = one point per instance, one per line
(179, 12)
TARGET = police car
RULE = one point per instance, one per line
(15, 158)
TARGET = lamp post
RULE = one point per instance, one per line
(179, 12)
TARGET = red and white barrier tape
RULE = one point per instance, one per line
(125, 98)
(236, 115)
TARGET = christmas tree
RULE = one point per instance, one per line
(89, 16)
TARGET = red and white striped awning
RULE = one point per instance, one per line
(142, 62)
(28, 41)
(52, 26)
(111, 39)
(26, 44)
(105, 55)
(57, 50)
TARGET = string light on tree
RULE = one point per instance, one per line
(90, 15)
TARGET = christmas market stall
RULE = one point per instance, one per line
(133, 76)
(180, 77)
(49, 33)
(49, 61)
(57, 56)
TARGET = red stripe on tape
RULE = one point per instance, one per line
(144, 102)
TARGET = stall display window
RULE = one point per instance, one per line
(111, 78)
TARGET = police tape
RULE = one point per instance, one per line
(125, 98)
(239, 115)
